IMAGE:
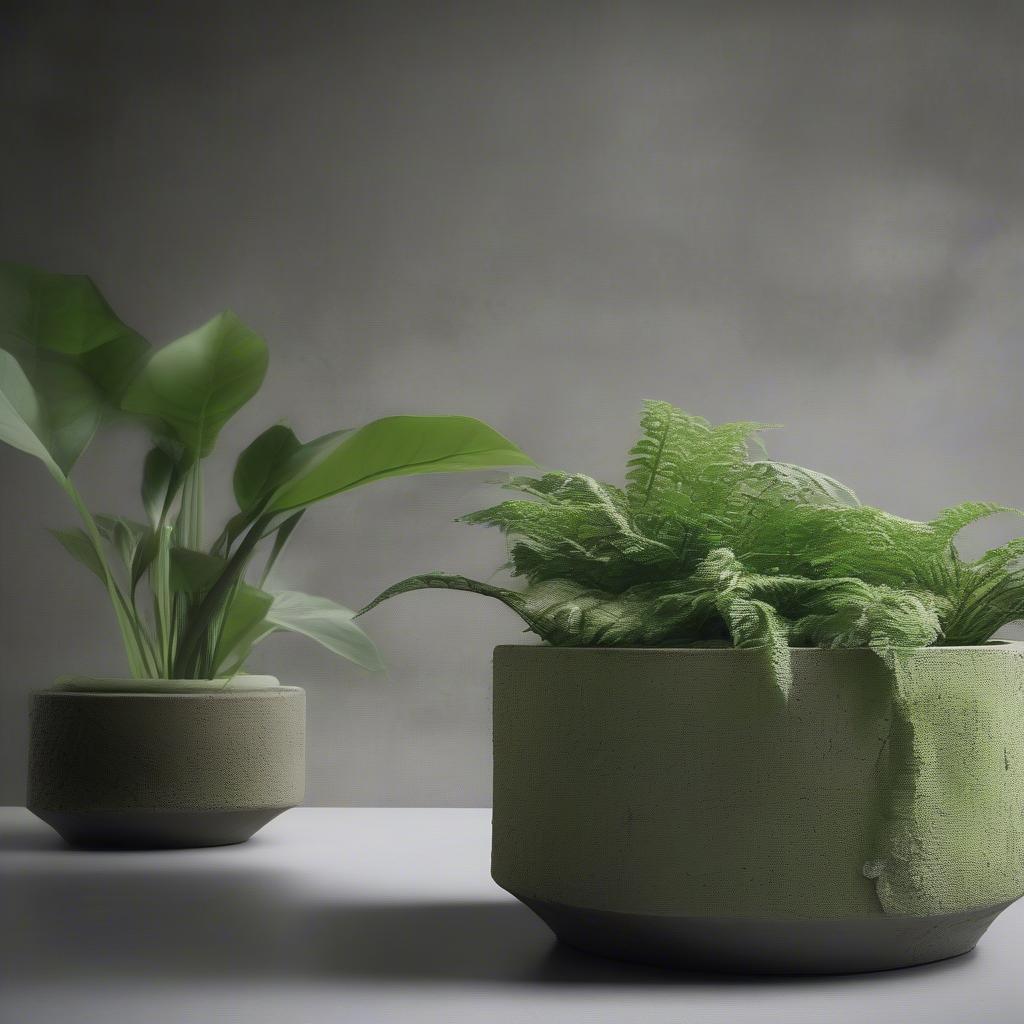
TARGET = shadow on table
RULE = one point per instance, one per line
(162, 922)
(26, 836)
(502, 941)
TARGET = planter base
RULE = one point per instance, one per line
(745, 946)
(165, 768)
(157, 830)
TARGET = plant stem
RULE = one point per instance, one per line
(190, 517)
(140, 660)
(162, 603)
(284, 531)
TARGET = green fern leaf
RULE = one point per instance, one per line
(705, 546)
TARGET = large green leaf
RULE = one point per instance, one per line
(394, 446)
(325, 622)
(23, 422)
(64, 317)
(196, 384)
(73, 349)
(259, 466)
(73, 409)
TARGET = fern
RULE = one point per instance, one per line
(705, 545)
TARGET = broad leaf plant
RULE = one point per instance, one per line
(187, 609)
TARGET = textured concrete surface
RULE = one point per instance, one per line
(168, 751)
(679, 782)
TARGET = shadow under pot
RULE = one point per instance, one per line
(183, 764)
(675, 807)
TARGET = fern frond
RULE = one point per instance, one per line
(653, 460)
(950, 521)
(856, 614)
(578, 529)
(705, 546)
(989, 594)
(756, 624)
(447, 581)
(783, 481)
(678, 452)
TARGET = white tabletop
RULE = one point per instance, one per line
(383, 915)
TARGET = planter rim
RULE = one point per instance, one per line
(113, 685)
(995, 646)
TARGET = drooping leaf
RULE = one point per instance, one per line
(567, 614)
(756, 624)
(325, 622)
(22, 421)
(196, 384)
(56, 431)
(394, 446)
(950, 521)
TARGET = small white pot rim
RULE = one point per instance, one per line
(103, 684)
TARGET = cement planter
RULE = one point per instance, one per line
(669, 806)
(207, 767)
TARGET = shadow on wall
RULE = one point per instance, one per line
(159, 923)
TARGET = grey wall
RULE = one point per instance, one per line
(539, 214)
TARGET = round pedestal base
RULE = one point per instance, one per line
(157, 830)
(747, 946)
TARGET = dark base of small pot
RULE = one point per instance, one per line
(156, 830)
(749, 946)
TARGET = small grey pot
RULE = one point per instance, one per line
(183, 764)
(676, 807)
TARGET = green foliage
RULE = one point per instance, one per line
(67, 363)
(394, 446)
(73, 356)
(259, 466)
(706, 545)
(62, 320)
(194, 385)
(23, 422)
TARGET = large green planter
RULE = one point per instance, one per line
(670, 806)
(205, 767)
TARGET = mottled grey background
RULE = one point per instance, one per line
(539, 214)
